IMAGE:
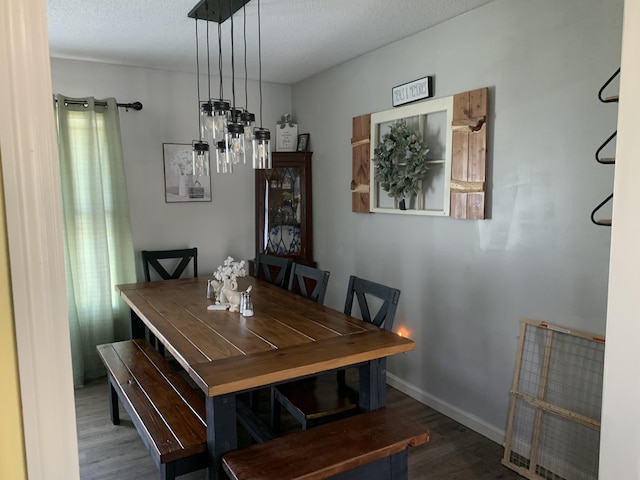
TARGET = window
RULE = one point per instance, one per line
(432, 120)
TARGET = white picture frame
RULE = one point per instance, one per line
(179, 183)
(286, 137)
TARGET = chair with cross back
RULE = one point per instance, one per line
(174, 263)
(177, 259)
(326, 397)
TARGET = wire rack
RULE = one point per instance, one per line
(553, 431)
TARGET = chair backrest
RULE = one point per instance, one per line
(152, 257)
(309, 282)
(273, 269)
(360, 289)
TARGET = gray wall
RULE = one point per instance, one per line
(219, 228)
(466, 284)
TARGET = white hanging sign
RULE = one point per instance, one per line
(286, 134)
(412, 91)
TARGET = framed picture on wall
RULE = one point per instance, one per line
(180, 185)
(303, 142)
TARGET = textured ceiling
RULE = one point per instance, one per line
(299, 37)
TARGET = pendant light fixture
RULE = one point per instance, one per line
(200, 153)
(206, 109)
(247, 118)
(230, 129)
(221, 112)
(235, 130)
(261, 136)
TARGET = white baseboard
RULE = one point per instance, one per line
(465, 418)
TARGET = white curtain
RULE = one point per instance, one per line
(98, 244)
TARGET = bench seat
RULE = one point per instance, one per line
(370, 445)
(167, 412)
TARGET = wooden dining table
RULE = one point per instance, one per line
(225, 353)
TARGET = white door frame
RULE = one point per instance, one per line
(35, 239)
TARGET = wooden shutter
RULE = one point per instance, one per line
(360, 158)
(469, 154)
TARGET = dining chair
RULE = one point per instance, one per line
(273, 269)
(327, 397)
(308, 282)
(151, 258)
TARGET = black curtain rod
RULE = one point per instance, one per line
(133, 106)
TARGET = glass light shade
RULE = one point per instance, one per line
(248, 121)
(235, 141)
(200, 162)
(223, 165)
(220, 120)
(262, 149)
(206, 121)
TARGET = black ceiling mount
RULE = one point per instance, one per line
(208, 9)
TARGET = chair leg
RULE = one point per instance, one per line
(254, 401)
(150, 337)
(275, 412)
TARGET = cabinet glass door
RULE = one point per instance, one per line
(283, 207)
(281, 234)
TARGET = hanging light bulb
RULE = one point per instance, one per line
(206, 109)
(235, 138)
(221, 112)
(223, 165)
(235, 142)
(248, 121)
(200, 150)
(235, 129)
(220, 120)
(206, 121)
(200, 158)
(261, 136)
(262, 149)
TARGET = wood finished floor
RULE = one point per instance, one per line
(109, 452)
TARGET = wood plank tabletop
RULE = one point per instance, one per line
(289, 336)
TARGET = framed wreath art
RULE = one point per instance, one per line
(400, 161)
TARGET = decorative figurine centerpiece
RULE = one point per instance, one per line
(227, 275)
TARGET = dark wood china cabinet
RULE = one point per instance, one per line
(283, 207)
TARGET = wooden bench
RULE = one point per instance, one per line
(167, 412)
(370, 445)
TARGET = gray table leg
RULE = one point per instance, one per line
(222, 433)
(373, 384)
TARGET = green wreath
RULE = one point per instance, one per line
(400, 161)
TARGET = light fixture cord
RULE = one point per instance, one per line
(208, 60)
(246, 75)
(260, 62)
(198, 80)
(220, 54)
(233, 67)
